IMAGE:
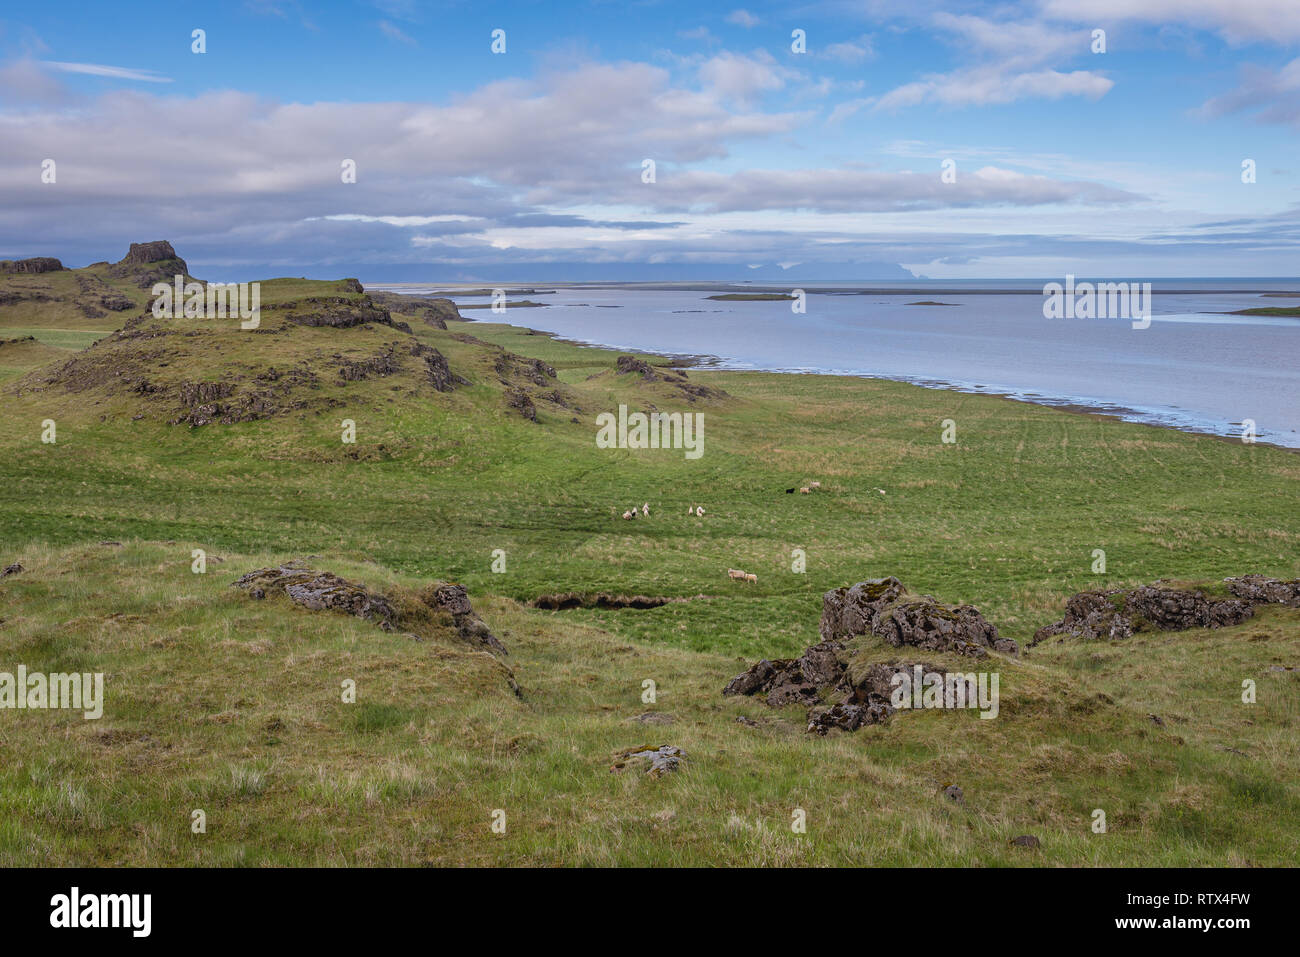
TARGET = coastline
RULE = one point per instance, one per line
(1071, 404)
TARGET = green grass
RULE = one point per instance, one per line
(233, 706)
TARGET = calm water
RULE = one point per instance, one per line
(1192, 369)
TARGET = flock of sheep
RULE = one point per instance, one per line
(698, 512)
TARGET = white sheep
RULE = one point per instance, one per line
(699, 511)
(814, 484)
(627, 515)
(645, 509)
(752, 578)
(805, 490)
(735, 573)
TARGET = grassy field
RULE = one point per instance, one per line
(231, 706)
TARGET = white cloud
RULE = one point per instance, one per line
(743, 18)
(990, 86)
(394, 32)
(115, 72)
(1239, 21)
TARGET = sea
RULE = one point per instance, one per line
(1195, 367)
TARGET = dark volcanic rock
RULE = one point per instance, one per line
(454, 600)
(149, 263)
(336, 312)
(321, 591)
(13, 569)
(144, 253)
(880, 607)
(627, 365)
(821, 675)
(521, 402)
(1116, 614)
(37, 264)
(436, 369)
(1261, 590)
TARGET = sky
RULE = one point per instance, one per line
(954, 140)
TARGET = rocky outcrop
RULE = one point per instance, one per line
(454, 600)
(37, 264)
(520, 401)
(822, 680)
(881, 607)
(509, 367)
(677, 378)
(336, 312)
(1260, 590)
(14, 569)
(629, 365)
(149, 263)
(325, 591)
(1117, 614)
(320, 591)
(657, 760)
(436, 370)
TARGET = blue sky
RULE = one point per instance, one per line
(1125, 163)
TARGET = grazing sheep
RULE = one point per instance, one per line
(789, 491)
(627, 515)
(699, 511)
(645, 509)
(814, 484)
(752, 578)
(881, 491)
(735, 573)
(805, 490)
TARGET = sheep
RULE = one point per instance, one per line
(735, 573)
(814, 484)
(699, 511)
(805, 490)
(645, 509)
(752, 578)
(881, 491)
(627, 515)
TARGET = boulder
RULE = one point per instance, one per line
(1116, 614)
(1260, 590)
(658, 761)
(322, 591)
(881, 607)
(454, 600)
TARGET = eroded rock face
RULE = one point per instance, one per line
(37, 264)
(321, 591)
(144, 253)
(882, 607)
(821, 680)
(337, 312)
(325, 591)
(149, 263)
(1116, 614)
(454, 600)
(1258, 589)
(631, 365)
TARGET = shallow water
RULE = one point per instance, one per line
(1193, 368)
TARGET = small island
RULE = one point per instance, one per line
(751, 297)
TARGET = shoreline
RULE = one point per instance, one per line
(1069, 404)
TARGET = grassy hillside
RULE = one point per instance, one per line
(221, 703)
